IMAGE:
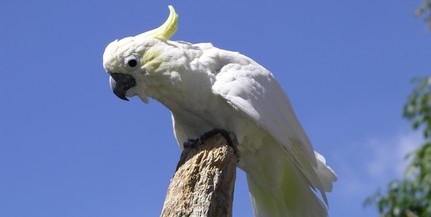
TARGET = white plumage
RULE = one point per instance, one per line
(205, 88)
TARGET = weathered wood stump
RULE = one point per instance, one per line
(203, 183)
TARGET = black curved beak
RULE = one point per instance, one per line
(120, 83)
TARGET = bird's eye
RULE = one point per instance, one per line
(131, 62)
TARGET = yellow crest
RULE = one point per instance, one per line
(167, 29)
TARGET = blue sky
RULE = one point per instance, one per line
(69, 147)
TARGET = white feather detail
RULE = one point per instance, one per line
(253, 90)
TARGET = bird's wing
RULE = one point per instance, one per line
(252, 89)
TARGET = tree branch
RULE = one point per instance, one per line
(203, 183)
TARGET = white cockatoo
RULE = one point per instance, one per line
(208, 88)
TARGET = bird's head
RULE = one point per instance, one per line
(130, 61)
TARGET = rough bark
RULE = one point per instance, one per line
(203, 183)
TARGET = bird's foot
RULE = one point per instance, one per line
(192, 143)
(230, 138)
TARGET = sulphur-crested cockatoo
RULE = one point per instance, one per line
(206, 88)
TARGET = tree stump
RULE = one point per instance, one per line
(203, 183)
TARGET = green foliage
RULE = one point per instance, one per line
(411, 196)
(424, 11)
(418, 106)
